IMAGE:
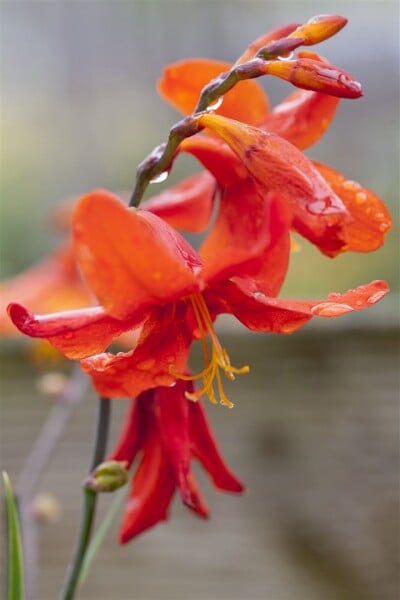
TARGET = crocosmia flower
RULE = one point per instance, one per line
(148, 276)
(168, 431)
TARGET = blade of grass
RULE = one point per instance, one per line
(100, 534)
(15, 561)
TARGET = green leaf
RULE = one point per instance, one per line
(100, 534)
(15, 562)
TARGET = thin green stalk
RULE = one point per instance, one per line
(89, 502)
(15, 559)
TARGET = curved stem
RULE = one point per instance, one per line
(89, 501)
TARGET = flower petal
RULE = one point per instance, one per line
(205, 449)
(151, 492)
(216, 156)
(51, 285)
(172, 414)
(371, 219)
(76, 334)
(268, 272)
(186, 206)
(302, 118)
(183, 81)
(319, 215)
(262, 313)
(165, 342)
(241, 234)
(146, 263)
(244, 226)
(134, 430)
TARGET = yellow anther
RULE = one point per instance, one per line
(216, 358)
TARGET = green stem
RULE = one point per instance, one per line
(89, 501)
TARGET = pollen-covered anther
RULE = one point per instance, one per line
(216, 359)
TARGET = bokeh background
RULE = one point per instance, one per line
(314, 433)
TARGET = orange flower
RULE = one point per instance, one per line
(147, 275)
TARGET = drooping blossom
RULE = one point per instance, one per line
(168, 431)
(149, 276)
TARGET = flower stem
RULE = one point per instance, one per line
(89, 501)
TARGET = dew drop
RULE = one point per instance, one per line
(259, 295)
(361, 197)
(376, 297)
(350, 185)
(289, 327)
(384, 227)
(144, 365)
(159, 178)
(330, 309)
(163, 379)
(286, 56)
(216, 104)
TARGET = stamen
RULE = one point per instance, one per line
(218, 360)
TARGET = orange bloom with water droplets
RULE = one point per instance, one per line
(148, 276)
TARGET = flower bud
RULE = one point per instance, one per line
(318, 29)
(316, 75)
(108, 476)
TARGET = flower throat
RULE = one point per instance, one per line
(215, 357)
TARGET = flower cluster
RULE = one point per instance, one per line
(150, 281)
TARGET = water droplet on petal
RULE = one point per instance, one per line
(330, 309)
(215, 105)
(145, 365)
(160, 178)
(286, 56)
(258, 295)
(289, 327)
(361, 197)
(350, 185)
(376, 297)
(384, 227)
(164, 379)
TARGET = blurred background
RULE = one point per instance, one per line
(314, 433)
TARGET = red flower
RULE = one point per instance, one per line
(145, 274)
(169, 431)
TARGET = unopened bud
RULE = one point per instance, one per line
(46, 508)
(314, 75)
(108, 476)
(318, 29)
